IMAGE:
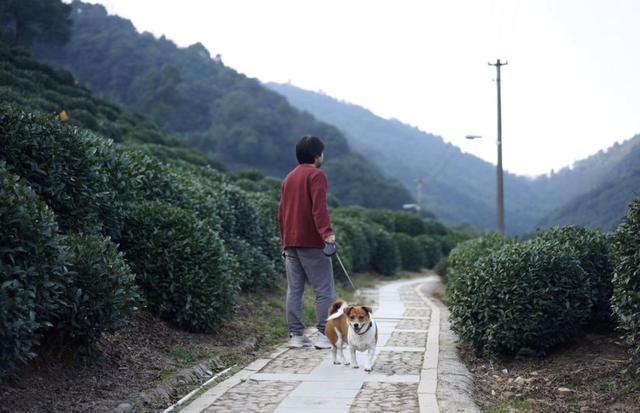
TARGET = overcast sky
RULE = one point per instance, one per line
(571, 88)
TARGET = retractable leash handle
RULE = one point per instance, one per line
(331, 250)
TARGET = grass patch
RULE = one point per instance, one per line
(510, 405)
(191, 355)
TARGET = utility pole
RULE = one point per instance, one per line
(499, 175)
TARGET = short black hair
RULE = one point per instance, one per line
(308, 149)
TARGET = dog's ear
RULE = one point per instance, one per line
(348, 310)
(367, 309)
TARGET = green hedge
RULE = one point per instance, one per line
(99, 293)
(431, 250)
(32, 272)
(524, 298)
(626, 281)
(383, 217)
(67, 167)
(591, 248)
(411, 254)
(182, 266)
(353, 236)
(407, 223)
(466, 255)
(386, 258)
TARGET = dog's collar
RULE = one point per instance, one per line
(368, 328)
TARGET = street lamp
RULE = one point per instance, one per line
(499, 185)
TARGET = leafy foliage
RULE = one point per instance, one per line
(591, 248)
(466, 255)
(626, 281)
(353, 236)
(431, 250)
(386, 256)
(29, 20)
(411, 254)
(36, 87)
(407, 223)
(65, 166)
(182, 266)
(525, 298)
(99, 293)
(31, 271)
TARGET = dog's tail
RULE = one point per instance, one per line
(337, 309)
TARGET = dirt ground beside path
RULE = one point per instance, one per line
(594, 375)
(127, 364)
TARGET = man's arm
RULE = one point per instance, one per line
(319, 188)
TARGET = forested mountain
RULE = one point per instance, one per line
(608, 181)
(36, 87)
(186, 92)
(460, 187)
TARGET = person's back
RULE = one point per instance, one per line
(304, 220)
(304, 229)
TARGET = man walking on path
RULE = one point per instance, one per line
(305, 227)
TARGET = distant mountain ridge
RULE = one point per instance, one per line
(460, 187)
(615, 182)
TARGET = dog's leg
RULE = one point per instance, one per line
(354, 362)
(333, 352)
(342, 357)
(372, 351)
(338, 346)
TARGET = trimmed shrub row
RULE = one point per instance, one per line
(386, 241)
(527, 297)
(192, 238)
(67, 288)
(626, 280)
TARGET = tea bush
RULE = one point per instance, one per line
(626, 280)
(524, 298)
(386, 257)
(591, 248)
(181, 265)
(407, 223)
(431, 250)
(466, 255)
(99, 293)
(64, 165)
(32, 272)
(350, 232)
(411, 255)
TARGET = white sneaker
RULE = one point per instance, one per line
(299, 341)
(322, 342)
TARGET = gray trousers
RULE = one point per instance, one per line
(308, 264)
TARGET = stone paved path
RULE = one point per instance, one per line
(405, 376)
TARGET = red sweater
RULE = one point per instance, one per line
(302, 215)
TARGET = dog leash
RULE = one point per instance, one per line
(345, 271)
(329, 250)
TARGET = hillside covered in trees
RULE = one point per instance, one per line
(460, 187)
(211, 107)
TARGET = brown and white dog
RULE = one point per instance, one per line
(352, 325)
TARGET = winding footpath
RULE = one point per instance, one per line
(416, 368)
